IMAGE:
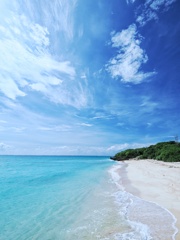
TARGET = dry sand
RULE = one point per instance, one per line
(157, 182)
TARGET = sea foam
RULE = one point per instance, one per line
(147, 220)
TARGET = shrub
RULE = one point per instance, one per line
(165, 151)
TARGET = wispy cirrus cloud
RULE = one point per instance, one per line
(102, 115)
(148, 105)
(151, 9)
(27, 65)
(86, 124)
(25, 57)
(57, 16)
(127, 64)
(26, 60)
(59, 128)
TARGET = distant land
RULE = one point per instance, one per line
(163, 151)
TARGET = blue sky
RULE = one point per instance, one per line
(88, 77)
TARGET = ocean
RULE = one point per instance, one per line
(73, 198)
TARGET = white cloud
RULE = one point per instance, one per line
(149, 11)
(27, 64)
(57, 15)
(101, 115)
(58, 128)
(148, 105)
(72, 150)
(10, 88)
(146, 16)
(149, 124)
(3, 146)
(158, 4)
(2, 121)
(120, 147)
(25, 58)
(130, 1)
(18, 129)
(126, 65)
(85, 124)
(61, 13)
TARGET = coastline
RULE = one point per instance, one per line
(156, 182)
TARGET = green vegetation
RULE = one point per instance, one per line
(164, 151)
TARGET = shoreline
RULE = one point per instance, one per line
(156, 182)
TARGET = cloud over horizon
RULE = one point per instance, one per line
(88, 77)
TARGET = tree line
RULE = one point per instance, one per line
(164, 151)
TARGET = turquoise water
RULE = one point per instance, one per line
(63, 198)
(42, 197)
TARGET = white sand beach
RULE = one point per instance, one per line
(157, 182)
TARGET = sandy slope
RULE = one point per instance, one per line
(156, 181)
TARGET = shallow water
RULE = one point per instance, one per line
(44, 197)
(67, 198)
(147, 219)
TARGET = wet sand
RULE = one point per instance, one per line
(157, 182)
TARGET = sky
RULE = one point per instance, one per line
(88, 77)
